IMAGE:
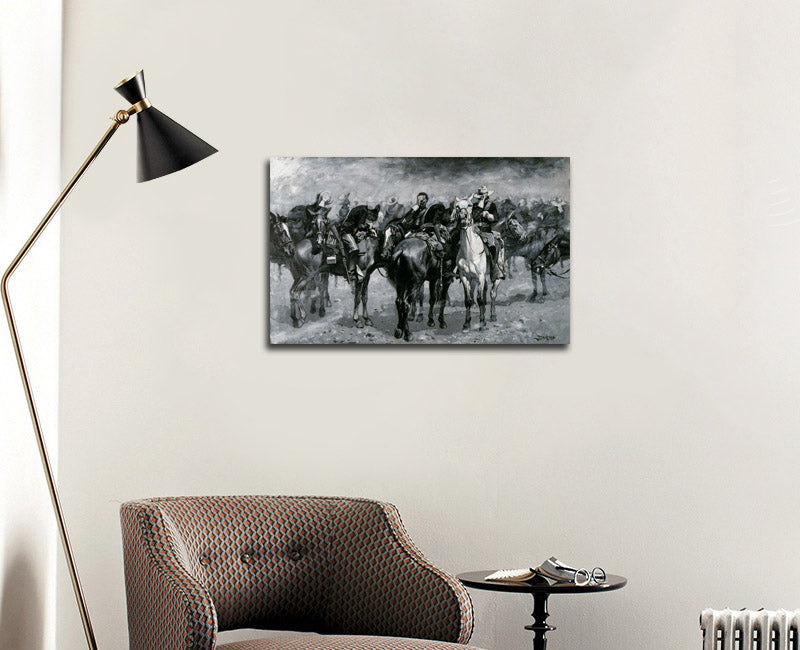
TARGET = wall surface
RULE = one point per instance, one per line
(30, 147)
(662, 443)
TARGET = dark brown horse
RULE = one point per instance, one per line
(542, 248)
(410, 263)
(308, 268)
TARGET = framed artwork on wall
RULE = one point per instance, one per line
(441, 251)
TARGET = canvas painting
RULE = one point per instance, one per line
(419, 251)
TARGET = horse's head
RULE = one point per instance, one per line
(375, 214)
(392, 234)
(515, 229)
(280, 230)
(462, 213)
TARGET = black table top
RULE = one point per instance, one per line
(476, 579)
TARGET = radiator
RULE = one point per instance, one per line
(750, 630)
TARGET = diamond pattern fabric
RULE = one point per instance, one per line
(198, 565)
(342, 643)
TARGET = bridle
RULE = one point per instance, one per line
(285, 237)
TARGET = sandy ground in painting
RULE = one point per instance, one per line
(518, 321)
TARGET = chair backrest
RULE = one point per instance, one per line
(266, 561)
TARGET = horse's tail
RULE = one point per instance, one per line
(302, 263)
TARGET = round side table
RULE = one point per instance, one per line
(540, 590)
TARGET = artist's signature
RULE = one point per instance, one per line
(545, 338)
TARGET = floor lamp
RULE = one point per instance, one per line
(164, 146)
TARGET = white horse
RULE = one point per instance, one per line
(471, 263)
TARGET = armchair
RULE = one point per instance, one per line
(344, 568)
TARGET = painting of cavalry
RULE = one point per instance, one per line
(418, 251)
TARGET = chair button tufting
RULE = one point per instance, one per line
(295, 554)
(204, 560)
(247, 558)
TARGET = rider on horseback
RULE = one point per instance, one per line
(393, 209)
(344, 205)
(412, 220)
(421, 221)
(484, 212)
(358, 225)
(317, 221)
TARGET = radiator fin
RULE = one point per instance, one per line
(746, 629)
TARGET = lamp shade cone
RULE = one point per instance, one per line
(164, 145)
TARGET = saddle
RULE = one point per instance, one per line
(329, 247)
(549, 255)
(435, 245)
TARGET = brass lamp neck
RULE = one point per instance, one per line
(119, 119)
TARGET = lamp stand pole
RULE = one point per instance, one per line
(119, 119)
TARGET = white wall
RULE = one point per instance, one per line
(30, 128)
(662, 443)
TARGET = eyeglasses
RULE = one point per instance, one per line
(560, 572)
(583, 577)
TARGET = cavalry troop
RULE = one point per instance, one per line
(469, 241)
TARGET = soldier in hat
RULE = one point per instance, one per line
(484, 213)
(317, 221)
(344, 205)
(358, 225)
(393, 209)
(412, 220)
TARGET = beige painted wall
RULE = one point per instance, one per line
(662, 443)
(30, 148)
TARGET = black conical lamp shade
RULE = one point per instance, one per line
(164, 145)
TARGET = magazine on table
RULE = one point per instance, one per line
(551, 570)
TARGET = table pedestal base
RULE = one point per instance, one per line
(539, 628)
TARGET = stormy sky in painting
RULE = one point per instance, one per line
(295, 181)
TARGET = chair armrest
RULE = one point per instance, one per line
(168, 608)
(381, 584)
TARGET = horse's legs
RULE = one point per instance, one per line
(359, 288)
(532, 297)
(364, 291)
(295, 298)
(543, 276)
(410, 300)
(293, 306)
(492, 300)
(481, 297)
(465, 282)
(419, 297)
(405, 298)
(324, 299)
(444, 288)
(399, 303)
(433, 289)
(364, 296)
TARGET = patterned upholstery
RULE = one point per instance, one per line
(198, 565)
(342, 643)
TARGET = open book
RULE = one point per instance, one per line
(551, 570)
